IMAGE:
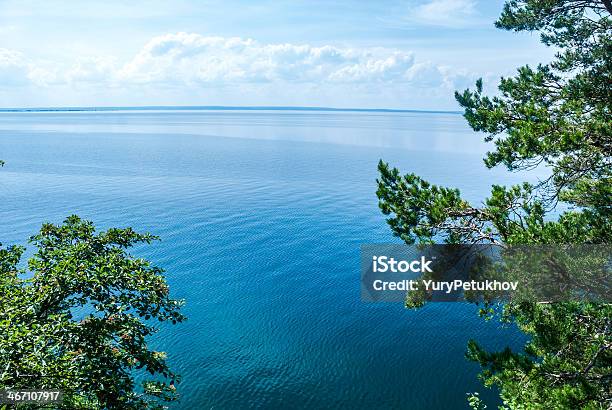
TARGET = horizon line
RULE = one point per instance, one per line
(218, 108)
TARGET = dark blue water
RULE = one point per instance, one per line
(261, 215)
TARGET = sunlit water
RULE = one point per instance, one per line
(261, 215)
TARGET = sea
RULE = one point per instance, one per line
(261, 214)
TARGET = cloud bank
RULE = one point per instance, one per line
(190, 61)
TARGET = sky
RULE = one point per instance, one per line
(402, 54)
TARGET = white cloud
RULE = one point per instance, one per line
(93, 70)
(445, 13)
(13, 68)
(189, 67)
(192, 58)
(16, 70)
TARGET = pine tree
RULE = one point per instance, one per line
(555, 115)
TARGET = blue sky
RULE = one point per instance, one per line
(407, 54)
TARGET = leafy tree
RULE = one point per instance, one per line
(555, 115)
(78, 318)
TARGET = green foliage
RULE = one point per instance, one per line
(475, 402)
(79, 316)
(556, 116)
(567, 364)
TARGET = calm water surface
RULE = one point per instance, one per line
(261, 215)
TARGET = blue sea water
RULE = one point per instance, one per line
(261, 214)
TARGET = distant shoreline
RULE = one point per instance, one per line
(219, 108)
